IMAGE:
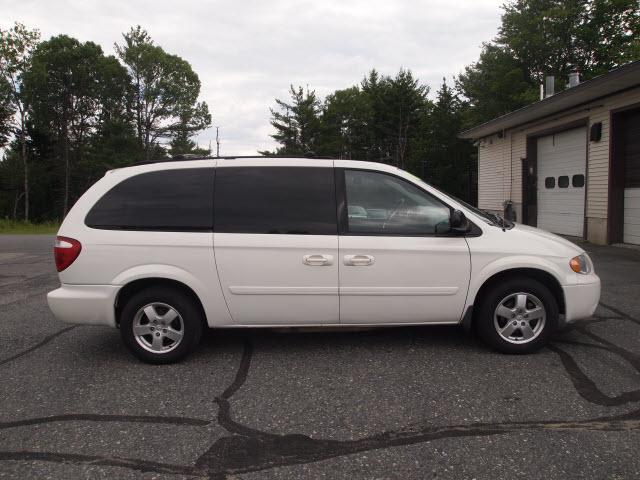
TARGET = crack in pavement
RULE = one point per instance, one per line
(248, 449)
(586, 387)
(37, 345)
(621, 313)
(77, 458)
(248, 453)
(88, 417)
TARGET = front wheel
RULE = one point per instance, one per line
(517, 315)
(160, 325)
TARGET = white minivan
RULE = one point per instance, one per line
(165, 249)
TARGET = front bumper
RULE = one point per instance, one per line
(582, 299)
(84, 304)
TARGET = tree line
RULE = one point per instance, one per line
(383, 119)
(68, 112)
(394, 120)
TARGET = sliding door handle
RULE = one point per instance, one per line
(358, 260)
(317, 260)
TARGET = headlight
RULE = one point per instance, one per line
(581, 264)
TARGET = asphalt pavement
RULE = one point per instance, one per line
(402, 403)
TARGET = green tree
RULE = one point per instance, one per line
(398, 106)
(6, 112)
(11, 185)
(73, 91)
(164, 92)
(181, 143)
(345, 120)
(379, 121)
(16, 48)
(495, 85)
(548, 37)
(551, 37)
(297, 123)
(448, 160)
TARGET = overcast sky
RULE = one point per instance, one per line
(248, 52)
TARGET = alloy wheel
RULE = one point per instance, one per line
(158, 327)
(519, 318)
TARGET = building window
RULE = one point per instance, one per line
(577, 181)
(563, 181)
(550, 182)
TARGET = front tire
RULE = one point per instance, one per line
(161, 325)
(517, 315)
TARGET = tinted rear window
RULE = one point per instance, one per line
(278, 200)
(169, 200)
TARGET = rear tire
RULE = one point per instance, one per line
(161, 325)
(517, 315)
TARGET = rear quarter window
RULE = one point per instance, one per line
(166, 200)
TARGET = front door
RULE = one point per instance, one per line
(397, 262)
(276, 242)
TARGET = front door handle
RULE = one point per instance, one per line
(317, 260)
(358, 260)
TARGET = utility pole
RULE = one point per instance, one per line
(217, 141)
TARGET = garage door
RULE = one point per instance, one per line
(631, 152)
(561, 181)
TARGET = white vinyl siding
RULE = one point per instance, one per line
(500, 159)
(518, 154)
(598, 167)
(492, 155)
(631, 216)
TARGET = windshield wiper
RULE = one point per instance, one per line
(495, 219)
(499, 220)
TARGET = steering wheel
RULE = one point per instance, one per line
(399, 204)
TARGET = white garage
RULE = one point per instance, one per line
(629, 155)
(570, 162)
(562, 159)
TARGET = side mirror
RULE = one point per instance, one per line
(458, 222)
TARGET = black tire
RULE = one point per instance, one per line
(496, 294)
(190, 320)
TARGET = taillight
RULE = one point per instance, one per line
(65, 251)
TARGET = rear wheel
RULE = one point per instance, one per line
(517, 315)
(161, 325)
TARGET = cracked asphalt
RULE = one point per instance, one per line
(400, 403)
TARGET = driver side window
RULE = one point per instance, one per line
(380, 204)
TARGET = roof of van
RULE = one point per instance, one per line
(271, 160)
(189, 157)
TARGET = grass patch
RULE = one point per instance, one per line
(20, 227)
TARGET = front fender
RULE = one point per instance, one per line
(481, 273)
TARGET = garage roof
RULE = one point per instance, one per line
(615, 80)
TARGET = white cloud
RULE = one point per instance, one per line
(247, 53)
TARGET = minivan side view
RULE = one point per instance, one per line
(163, 250)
